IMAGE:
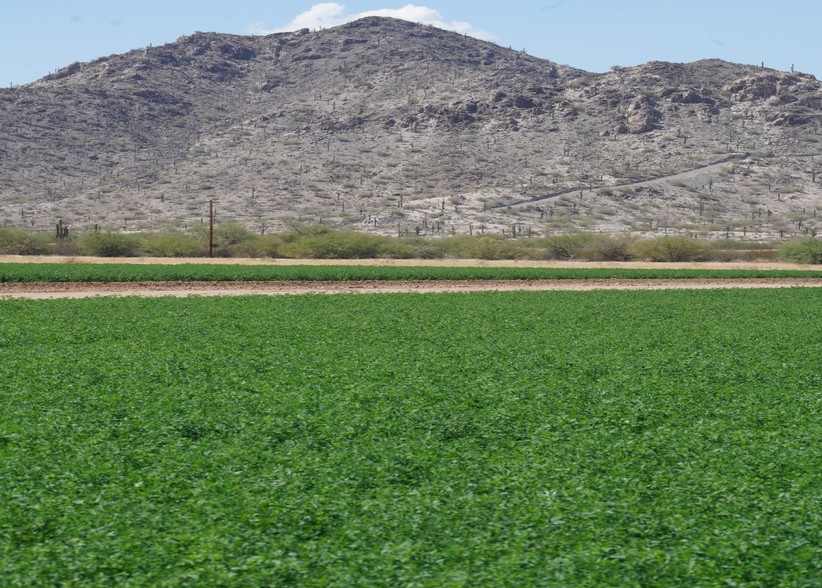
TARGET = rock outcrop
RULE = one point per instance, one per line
(642, 116)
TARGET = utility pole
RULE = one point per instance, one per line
(211, 228)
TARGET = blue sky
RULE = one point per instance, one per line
(38, 36)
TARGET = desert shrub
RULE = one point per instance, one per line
(608, 248)
(396, 249)
(228, 238)
(172, 245)
(807, 250)
(269, 245)
(675, 248)
(247, 248)
(230, 233)
(475, 247)
(456, 247)
(494, 247)
(422, 248)
(276, 244)
(735, 244)
(566, 247)
(588, 247)
(734, 250)
(109, 244)
(227, 235)
(22, 242)
(336, 245)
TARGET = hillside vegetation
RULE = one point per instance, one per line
(319, 242)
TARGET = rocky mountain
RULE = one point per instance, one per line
(399, 128)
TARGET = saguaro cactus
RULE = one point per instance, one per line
(62, 230)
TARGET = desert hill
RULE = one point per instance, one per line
(393, 127)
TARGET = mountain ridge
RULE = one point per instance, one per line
(394, 127)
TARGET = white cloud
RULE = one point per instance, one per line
(331, 14)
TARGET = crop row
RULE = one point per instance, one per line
(519, 439)
(58, 272)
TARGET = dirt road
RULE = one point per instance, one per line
(184, 289)
(181, 289)
(681, 176)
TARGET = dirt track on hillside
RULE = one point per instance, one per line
(681, 176)
(41, 290)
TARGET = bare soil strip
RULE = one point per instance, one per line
(42, 290)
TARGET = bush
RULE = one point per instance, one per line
(802, 251)
(494, 247)
(109, 244)
(325, 244)
(674, 248)
(22, 242)
(472, 247)
(422, 248)
(396, 249)
(231, 233)
(566, 247)
(227, 236)
(321, 242)
(588, 247)
(172, 245)
(609, 248)
(269, 245)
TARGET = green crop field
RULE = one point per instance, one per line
(490, 439)
(62, 272)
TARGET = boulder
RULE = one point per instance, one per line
(524, 102)
(787, 119)
(565, 108)
(642, 116)
(750, 89)
(690, 96)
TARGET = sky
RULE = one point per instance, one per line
(40, 36)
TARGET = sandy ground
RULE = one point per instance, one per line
(184, 289)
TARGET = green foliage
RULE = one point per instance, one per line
(172, 245)
(475, 247)
(268, 245)
(495, 439)
(321, 242)
(588, 247)
(326, 244)
(610, 248)
(732, 250)
(229, 237)
(675, 248)
(231, 233)
(732, 244)
(21, 242)
(109, 244)
(567, 247)
(91, 272)
(252, 247)
(802, 251)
